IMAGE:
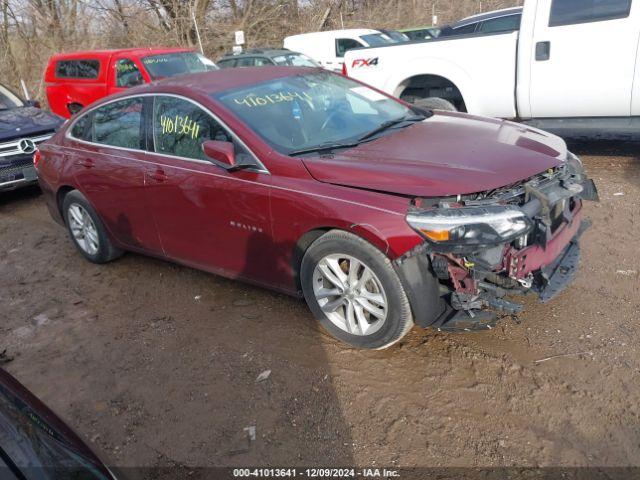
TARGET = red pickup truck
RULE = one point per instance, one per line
(75, 80)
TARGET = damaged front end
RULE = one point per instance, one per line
(488, 247)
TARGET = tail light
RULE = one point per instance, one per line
(344, 69)
(37, 156)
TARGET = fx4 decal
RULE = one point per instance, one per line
(364, 62)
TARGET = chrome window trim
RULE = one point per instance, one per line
(470, 22)
(260, 166)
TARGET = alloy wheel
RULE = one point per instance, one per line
(350, 294)
(83, 229)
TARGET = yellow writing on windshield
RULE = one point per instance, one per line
(179, 125)
(126, 67)
(152, 60)
(252, 100)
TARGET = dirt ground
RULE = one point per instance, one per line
(156, 364)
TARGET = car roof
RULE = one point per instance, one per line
(413, 29)
(211, 83)
(486, 16)
(136, 52)
(337, 33)
(257, 52)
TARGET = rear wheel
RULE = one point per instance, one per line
(354, 292)
(86, 229)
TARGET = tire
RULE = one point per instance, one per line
(99, 249)
(342, 250)
(435, 103)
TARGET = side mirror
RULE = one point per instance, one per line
(32, 103)
(220, 152)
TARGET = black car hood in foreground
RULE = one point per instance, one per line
(22, 121)
(35, 443)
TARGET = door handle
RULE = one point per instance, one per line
(159, 175)
(543, 51)
(85, 162)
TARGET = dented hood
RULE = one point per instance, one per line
(447, 154)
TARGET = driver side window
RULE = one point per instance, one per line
(181, 127)
(127, 74)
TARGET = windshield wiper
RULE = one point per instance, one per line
(324, 147)
(391, 123)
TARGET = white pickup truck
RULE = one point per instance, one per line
(573, 69)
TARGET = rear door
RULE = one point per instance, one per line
(107, 150)
(583, 58)
(207, 217)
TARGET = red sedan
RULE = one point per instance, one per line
(380, 214)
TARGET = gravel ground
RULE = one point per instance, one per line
(156, 364)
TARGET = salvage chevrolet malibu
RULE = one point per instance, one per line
(380, 214)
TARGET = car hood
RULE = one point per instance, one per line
(18, 122)
(446, 154)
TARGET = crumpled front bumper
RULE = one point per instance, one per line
(554, 278)
(523, 262)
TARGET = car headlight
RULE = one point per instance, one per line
(471, 226)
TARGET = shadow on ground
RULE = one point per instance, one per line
(156, 364)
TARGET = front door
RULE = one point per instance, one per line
(207, 217)
(584, 58)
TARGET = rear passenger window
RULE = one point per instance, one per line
(261, 62)
(508, 23)
(86, 69)
(181, 127)
(119, 124)
(568, 12)
(227, 63)
(82, 128)
(246, 62)
(467, 29)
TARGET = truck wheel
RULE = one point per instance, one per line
(352, 289)
(434, 103)
(86, 229)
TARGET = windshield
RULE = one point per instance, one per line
(311, 110)
(172, 64)
(295, 60)
(8, 99)
(376, 40)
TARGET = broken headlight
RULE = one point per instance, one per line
(471, 226)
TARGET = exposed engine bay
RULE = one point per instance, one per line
(519, 239)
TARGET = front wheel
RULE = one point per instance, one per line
(353, 290)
